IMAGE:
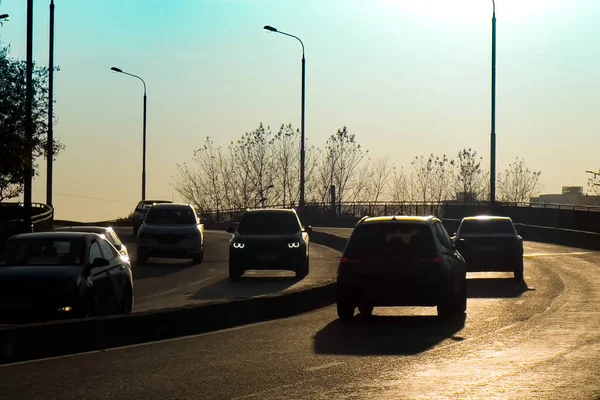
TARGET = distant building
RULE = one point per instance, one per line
(570, 195)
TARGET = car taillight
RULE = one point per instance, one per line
(349, 260)
(431, 259)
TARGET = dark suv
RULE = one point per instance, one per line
(140, 212)
(269, 239)
(401, 261)
(490, 243)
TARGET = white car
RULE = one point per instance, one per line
(170, 231)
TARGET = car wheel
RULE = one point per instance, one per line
(126, 301)
(365, 310)
(235, 272)
(88, 308)
(199, 258)
(302, 271)
(519, 272)
(142, 258)
(345, 310)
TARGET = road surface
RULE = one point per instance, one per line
(536, 340)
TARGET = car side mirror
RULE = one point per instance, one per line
(100, 262)
(308, 229)
(230, 229)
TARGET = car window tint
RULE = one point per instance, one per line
(486, 226)
(170, 216)
(269, 223)
(46, 251)
(114, 239)
(443, 236)
(391, 238)
(94, 252)
(107, 250)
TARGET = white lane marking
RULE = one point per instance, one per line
(520, 301)
(570, 253)
(318, 367)
(232, 329)
(490, 319)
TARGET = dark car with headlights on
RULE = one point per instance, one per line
(171, 231)
(105, 231)
(401, 261)
(140, 212)
(55, 275)
(270, 239)
(490, 243)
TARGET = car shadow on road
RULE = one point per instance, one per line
(385, 335)
(246, 287)
(154, 269)
(496, 288)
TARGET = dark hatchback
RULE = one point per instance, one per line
(401, 261)
(269, 239)
(490, 243)
(56, 275)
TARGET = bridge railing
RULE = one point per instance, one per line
(12, 219)
(555, 215)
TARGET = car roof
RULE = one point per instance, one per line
(487, 218)
(69, 235)
(155, 201)
(172, 205)
(399, 218)
(259, 210)
(84, 228)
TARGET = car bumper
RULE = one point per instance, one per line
(286, 260)
(497, 261)
(395, 291)
(184, 249)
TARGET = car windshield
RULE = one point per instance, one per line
(51, 252)
(486, 226)
(170, 216)
(269, 223)
(391, 239)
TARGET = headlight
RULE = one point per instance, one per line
(64, 309)
(294, 245)
(238, 245)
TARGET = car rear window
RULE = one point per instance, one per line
(22, 252)
(170, 216)
(486, 227)
(398, 238)
(269, 223)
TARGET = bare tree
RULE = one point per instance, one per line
(518, 183)
(373, 180)
(400, 189)
(343, 155)
(468, 174)
(442, 175)
(423, 177)
(593, 184)
(286, 161)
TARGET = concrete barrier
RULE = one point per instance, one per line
(35, 341)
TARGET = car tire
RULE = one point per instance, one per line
(366, 310)
(302, 271)
(345, 310)
(142, 258)
(235, 272)
(519, 272)
(126, 301)
(454, 306)
(199, 258)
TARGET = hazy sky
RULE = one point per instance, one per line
(407, 77)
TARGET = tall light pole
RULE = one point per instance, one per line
(302, 154)
(28, 172)
(50, 148)
(115, 69)
(493, 133)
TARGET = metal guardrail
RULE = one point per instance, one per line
(11, 217)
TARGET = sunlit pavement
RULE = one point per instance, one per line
(539, 340)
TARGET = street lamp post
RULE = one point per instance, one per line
(50, 145)
(302, 153)
(28, 173)
(115, 69)
(493, 133)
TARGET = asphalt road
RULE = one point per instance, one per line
(536, 340)
(166, 283)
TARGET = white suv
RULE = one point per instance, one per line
(170, 231)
